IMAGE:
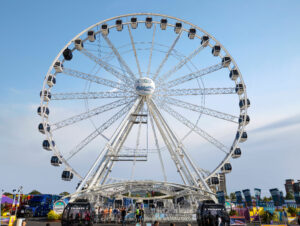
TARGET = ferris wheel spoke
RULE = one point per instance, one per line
(167, 55)
(200, 109)
(134, 50)
(181, 64)
(199, 91)
(120, 59)
(151, 50)
(90, 95)
(192, 76)
(96, 79)
(195, 128)
(107, 67)
(91, 113)
(99, 130)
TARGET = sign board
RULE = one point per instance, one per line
(59, 207)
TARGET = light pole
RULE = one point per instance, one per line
(14, 198)
(1, 205)
(19, 196)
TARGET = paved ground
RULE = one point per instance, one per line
(43, 223)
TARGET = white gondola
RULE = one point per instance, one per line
(134, 22)
(58, 67)
(243, 104)
(226, 60)
(216, 50)
(244, 118)
(239, 88)
(104, 29)
(163, 24)
(244, 136)
(43, 127)
(46, 95)
(91, 36)
(78, 44)
(67, 53)
(178, 27)
(43, 111)
(47, 146)
(234, 74)
(192, 33)
(214, 181)
(55, 161)
(51, 81)
(204, 40)
(226, 168)
(67, 175)
(148, 22)
(237, 153)
(119, 25)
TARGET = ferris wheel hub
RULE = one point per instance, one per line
(144, 86)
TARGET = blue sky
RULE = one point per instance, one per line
(262, 36)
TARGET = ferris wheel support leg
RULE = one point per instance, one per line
(174, 157)
(104, 152)
(202, 183)
(176, 146)
(117, 149)
(117, 142)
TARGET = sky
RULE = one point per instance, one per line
(262, 36)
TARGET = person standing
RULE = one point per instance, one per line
(219, 221)
(156, 223)
(142, 212)
(123, 215)
(137, 214)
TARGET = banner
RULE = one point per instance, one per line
(221, 197)
(275, 196)
(239, 198)
(282, 201)
(248, 198)
(296, 187)
(257, 192)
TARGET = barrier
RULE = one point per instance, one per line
(237, 221)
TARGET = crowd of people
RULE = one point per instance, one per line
(118, 215)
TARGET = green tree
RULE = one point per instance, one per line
(289, 196)
(266, 217)
(292, 210)
(266, 199)
(35, 192)
(232, 196)
(65, 193)
(7, 193)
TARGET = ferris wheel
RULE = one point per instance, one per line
(141, 85)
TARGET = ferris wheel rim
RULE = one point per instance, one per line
(242, 112)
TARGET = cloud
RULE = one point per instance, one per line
(290, 121)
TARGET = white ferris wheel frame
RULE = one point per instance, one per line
(154, 111)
